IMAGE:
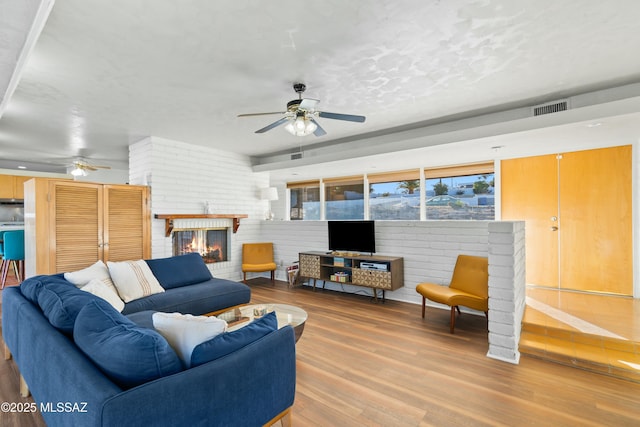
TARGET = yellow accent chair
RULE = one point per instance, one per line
(469, 287)
(256, 258)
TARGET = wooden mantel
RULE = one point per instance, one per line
(168, 227)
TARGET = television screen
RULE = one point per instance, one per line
(352, 236)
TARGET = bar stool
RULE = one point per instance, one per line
(13, 254)
(1, 243)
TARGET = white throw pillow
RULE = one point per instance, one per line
(133, 279)
(185, 331)
(109, 294)
(96, 271)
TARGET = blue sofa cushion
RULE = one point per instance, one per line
(142, 318)
(127, 353)
(30, 288)
(60, 302)
(196, 299)
(228, 342)
(177, 271)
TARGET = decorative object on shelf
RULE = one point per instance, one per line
(269, 194)
(340, 277)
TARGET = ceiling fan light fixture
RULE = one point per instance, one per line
(78, 171)
(301, 126)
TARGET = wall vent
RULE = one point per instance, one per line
(296, 156)
(551, 107)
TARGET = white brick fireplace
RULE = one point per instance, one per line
(183, 177)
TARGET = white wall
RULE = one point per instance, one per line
(183, 176)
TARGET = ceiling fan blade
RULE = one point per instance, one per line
(346, 117)
(273, 125)
(258, 114)
(308, 104)
(319, 131)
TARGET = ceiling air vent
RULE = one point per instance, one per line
(551, 107)
(296, 156)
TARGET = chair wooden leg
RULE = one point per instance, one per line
(21, 268)
(458, 308)
(423, 304)
(244, 277)
(18, 269)
(5, 271)
(453, 318)
(273, 277)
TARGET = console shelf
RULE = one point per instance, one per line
(373, 271)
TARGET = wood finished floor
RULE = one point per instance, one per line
(366, 364)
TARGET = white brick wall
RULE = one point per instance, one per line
(506, 289)
(183, 176)
(429, 248)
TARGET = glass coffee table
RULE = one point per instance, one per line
(238, 317)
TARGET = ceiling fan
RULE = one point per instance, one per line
(82, 167)
(301, 114)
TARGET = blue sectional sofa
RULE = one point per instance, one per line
(48, 321)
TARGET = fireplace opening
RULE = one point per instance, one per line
(211, 243)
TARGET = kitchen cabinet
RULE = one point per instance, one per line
(70, 225)
(12, 186)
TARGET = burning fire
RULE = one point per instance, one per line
(210, 251)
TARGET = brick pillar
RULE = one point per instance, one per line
(507, 291)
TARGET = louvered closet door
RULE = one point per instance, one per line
(76, 225)
(127, 224)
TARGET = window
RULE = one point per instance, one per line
(304, 200)
(394, 195)
(344, 198)
(460, 192)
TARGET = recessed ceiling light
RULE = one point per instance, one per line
(22, 167)
(594, 125)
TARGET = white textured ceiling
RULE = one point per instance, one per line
(104, 74)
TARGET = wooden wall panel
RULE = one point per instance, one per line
(596, 250)
(529, 189)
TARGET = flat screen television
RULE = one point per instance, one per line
(352, 236)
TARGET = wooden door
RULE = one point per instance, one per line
(596, 221)
(75, 224)
(529, 188)
(127, 225)
(590, 194)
